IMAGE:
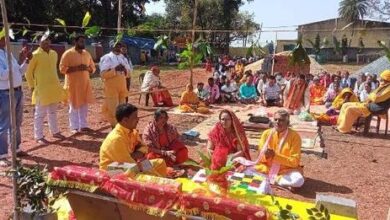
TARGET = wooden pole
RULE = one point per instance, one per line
(273, 56)
(193, 39)
(12, 106)
(119, 23)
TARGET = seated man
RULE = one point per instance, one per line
(248, 92)
(163, 140)
(152, 84)
(202, 94)
(296, 95)
(213, 91)
(229, 91)
(317, 92)
(123, 144)
(271, 93)
(363, 95)
(189, 102)
(377, 102)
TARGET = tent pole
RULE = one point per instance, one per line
(12, 107)
(273, 56)
(119, 24)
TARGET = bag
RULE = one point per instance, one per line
(259, 119)
(305, 116)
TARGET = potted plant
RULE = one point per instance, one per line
(34, 196)
(216, 178)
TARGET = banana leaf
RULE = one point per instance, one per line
(86, 19)
(299, 55)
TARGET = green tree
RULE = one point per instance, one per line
(211, 15)
(353, 10)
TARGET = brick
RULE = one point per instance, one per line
(337, 205)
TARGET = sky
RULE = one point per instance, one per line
(277, 13)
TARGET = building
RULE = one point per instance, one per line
(368, 31)
(285, 45)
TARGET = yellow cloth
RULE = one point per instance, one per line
(41, 76)
(77, 84)
(239, 68)
(115, 92)
(189, 102)
(118, 146)
(350, 112)
(317, 93)
(290, 155)
(339, 100)
(385, 75)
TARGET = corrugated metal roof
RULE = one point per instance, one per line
(376, 67)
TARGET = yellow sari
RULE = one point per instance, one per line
(339, 100)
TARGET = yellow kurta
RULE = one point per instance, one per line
(338, 102)
(189, 102)
(42, 77)
(77, 84)
(118, 146)
(290, 155)
(350, 112)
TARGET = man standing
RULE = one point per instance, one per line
(77, 64)
(114, 69)
(5, 123)
(46, 89)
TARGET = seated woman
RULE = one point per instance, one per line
(163, 141)
(227, 137)
(332, 92)
(248, 92)
(280, 154)
(189, 102)
(317, 92)
(346, 95)
(378, 102)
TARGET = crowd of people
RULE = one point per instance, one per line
(279, 149)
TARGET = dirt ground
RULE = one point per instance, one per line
(357, 167)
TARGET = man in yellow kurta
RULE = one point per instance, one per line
(189, 102)
(280, 155)
(124, 145)
(378, 101)
(77, 65)
(42, 78)
(114, 68)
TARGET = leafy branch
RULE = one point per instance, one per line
(318, 214)
(284, 213)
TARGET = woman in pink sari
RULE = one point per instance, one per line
(227, 137)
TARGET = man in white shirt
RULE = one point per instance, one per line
(114, 69)
(272, 94)
(229, 92)
(152, 84)
(5, 123)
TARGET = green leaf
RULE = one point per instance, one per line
(318, 214)
(119, 37)
(25, 31)
(205, 159)
(2, 33)
(93, 31)
(131, 32)
(191, 162)
(60, 21)
(322, 207)
(183, 65)
(312, 218)
(86, 19)
(314, 209)
(289, 207)
(310, 212)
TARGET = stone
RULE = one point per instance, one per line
(337, 205)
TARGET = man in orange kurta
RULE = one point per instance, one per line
(281, 152)
(77, 65)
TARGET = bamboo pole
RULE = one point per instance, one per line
(273, 56)
(119, 23)
(12, 106)
(193, 39)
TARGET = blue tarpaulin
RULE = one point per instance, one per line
(139, 42)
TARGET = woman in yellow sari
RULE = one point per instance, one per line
(346, 95)
(378, 101)
(189, 102)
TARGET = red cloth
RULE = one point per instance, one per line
(227, 207)
(150, 196)
(177, 146)
(162, 97)
(79, 174)
(225, 145)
